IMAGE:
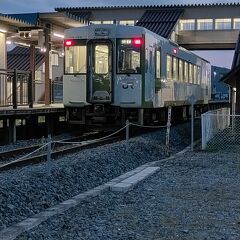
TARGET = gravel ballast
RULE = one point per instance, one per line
(29, 190)
(195, 196)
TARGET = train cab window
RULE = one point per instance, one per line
(169, 67)
(180, 70)
(129, 56)
(175, 68)
(158, 64)
(101, 59)
(75, 59)
(185, 72)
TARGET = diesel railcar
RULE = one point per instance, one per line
(114, 72)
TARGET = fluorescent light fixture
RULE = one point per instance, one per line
(3, 30)
(58, 35)
(43, 49)
(8, 42)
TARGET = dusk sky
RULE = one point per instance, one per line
(219, 58)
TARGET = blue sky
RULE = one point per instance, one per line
(23, 6)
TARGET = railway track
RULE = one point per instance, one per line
(60, 148)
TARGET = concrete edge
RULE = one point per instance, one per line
(14, 231)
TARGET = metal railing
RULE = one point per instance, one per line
(17, 88)
(220, 130)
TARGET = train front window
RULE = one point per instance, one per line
(75, 59)
(101, 59)
(129, 56)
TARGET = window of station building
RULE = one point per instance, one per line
(107, 22)
(95, 22)
(75, 59)
(1, 123)
(187, 24)
(190, 77)
(236, 23)
(158, 64)
(169, 67)
(204, 24)
(41, 119)
(175, 68)
(127, 22)
(54, 59)
(185, 72)
(224, 23)
(128, 57)
(101, 59)
(180, 70)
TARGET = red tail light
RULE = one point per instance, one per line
(68, 43)
(137, 42)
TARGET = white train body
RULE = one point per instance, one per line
(128, 67)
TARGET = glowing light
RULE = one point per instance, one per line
(3, 30)
(68, 43)
(175, 50)
(43, 49)
(58, 35)
(137, 41)
(8, 42)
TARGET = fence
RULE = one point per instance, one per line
(18, 88)
(15, 88)
(220, 130)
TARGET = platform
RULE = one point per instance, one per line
(37, 109)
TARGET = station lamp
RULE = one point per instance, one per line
(3, 30)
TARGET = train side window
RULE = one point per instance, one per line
(169, 67)
(175, 68)
(199, 75)
(185, 72)
(180, 70)
(190, 77)
(158, 64)
(75, 59)
(195, 74)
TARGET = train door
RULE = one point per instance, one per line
(99, 77)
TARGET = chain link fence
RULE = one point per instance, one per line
(220, 130)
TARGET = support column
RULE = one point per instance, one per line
(237, 96)
(47, 62)
(12, 131)
(31, 79)
(49, 122)
(141, 116)
(3, 65)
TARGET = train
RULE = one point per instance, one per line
(114, 72)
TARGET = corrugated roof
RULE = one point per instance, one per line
(236, 58)
(233, 75)
(12, 19)
(19, 58)
(79, 16)
(29, 18)
(129, 5)
(162, 22)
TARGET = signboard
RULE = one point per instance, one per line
(101, 32)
